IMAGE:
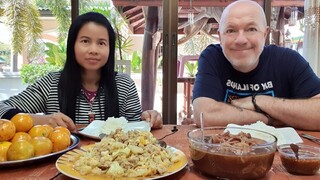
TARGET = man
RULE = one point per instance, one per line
(242, 81)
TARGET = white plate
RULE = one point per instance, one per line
(286, 135)
(65, 165)
(94, 129)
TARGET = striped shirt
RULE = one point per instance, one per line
(42, 97)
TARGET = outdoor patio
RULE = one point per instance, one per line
(11, 84)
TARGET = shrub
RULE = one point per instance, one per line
(30, 73)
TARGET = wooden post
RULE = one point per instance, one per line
(170, 30)
(148, 79)
(267, 11)
(74, 9)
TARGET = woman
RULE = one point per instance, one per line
(87, 88)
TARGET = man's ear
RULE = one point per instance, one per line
(266, 32)
(219, 36)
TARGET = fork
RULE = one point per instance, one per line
(311, 138)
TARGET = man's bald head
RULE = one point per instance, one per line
(241, 4)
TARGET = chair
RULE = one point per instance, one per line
(182, 61)
(123, 66)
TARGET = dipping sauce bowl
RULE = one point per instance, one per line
(308, 162)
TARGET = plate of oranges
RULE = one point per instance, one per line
(22, 142)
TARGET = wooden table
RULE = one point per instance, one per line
(188, 83)
(47, 170)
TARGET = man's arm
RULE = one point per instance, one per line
(220, 114)
(298, 113)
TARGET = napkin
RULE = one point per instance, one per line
(285, 135)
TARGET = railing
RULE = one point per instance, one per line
(123, 66)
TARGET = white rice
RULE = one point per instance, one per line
(114, 123)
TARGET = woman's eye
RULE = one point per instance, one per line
(85, 41)
(102, 44)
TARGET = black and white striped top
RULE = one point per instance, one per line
(42, 97)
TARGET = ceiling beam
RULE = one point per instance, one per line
(138, 22)
(204, 3)
(132, 10)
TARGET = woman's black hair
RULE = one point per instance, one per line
(70, 83)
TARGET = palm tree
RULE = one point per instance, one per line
(22, 18)
(61, 10)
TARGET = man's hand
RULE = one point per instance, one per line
(154, 117)
(245, 103)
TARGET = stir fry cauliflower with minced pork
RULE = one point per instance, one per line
(132, 154)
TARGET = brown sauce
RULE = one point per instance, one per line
(232, 166)
(300, 166)
(237, 156)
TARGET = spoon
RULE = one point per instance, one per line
(295, 149)
(162, 143)
(201, 125)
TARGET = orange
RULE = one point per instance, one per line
(63, 129)
(42, 146)
(20, 150)
(48, 128)
(4, 146)
(23, 122)
(7, 130)
(38, 131)
(21, 136)
(60, 140)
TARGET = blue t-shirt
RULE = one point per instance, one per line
(281, 72)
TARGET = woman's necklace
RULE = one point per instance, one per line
(90, 97)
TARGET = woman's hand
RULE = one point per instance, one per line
(154, 117)
(54, 120)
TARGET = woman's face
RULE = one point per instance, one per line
(92, 47)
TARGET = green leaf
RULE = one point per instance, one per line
(30, 73)
(192, 68)
(136, 62)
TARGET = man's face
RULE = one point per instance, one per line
(242, 35)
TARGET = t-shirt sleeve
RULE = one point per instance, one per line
(207, 83)
(305, 82)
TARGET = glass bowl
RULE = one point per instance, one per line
(308, 162)
(232, 152)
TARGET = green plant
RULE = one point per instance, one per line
(56, 54)
(22, 18)
(192, 68)
(136, 62)
(55, 60)
(30, 73)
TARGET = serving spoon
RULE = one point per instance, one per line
(201, 126)
(295, 149)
